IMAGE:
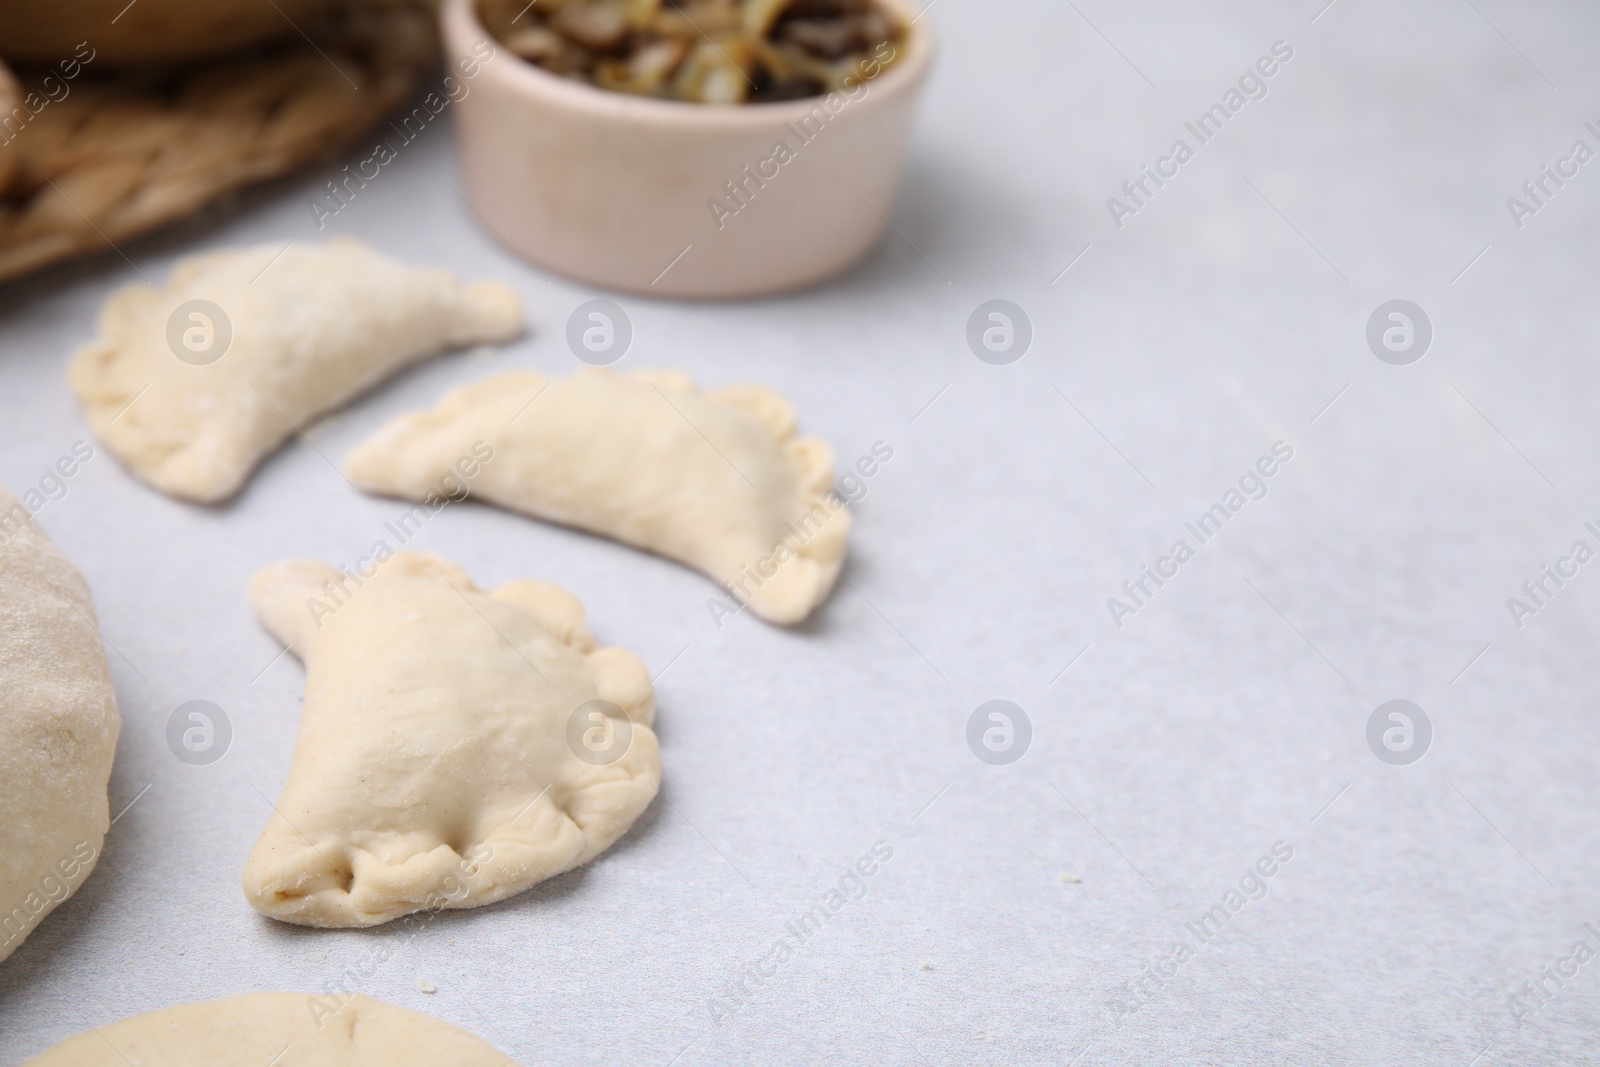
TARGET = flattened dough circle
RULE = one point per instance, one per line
(290, 1029)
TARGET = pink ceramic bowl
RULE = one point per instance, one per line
(676, 199)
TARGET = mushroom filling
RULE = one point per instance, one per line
(703, 51)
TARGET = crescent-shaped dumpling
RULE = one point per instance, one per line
(717, 480)
(193, 385)
(457, 746)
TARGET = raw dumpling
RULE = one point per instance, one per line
(193, 385)
(58, 727)
(716, 480)
(282, 1029)
(456, 747)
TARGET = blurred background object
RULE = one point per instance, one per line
(703, 51)
(148, 31)
(108, 135)
(696, 196)
(10, 100)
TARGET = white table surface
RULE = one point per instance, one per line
(1226, 716)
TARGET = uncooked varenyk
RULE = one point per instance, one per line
(437, 764)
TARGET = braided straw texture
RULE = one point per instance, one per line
(119, 156)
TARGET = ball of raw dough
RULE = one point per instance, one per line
(58, 727)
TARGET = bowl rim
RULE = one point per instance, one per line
(460, 24)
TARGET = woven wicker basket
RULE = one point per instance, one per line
(92, 160)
